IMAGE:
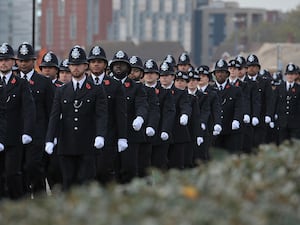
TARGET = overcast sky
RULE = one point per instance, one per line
(283, 5)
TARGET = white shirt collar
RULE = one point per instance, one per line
(192, 92)
(223, 85)
(203, 88)
(7, 76)
(80, 82)
(288, 85)
(168, 87)
(101, 76)
(253, 77)
(152, 86)
(28, 75)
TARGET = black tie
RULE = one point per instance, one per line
(220, 87)
(97, 80)
(25, 77)
(77, 87)
(290, 87)
(3, 80)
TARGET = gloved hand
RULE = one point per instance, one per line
(199, 140)
(49, 147)
(272, 125)
(255, 121)
(203, 126)
(99, 142)
(246, 118)
(217, 129)
(122, 144)
(184, 119)
(26, 139)
(276, 116)
(137, 123)
(164, 136)
(267, 119)
(150, 131)
(1, 147)
(55, 141)
(235, 125)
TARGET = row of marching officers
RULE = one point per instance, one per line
(113, 127)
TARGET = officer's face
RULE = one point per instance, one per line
(65, 76)
(183, 67)
(204, 80)
(78, 70)
(150, 78)
(135, 74)
(25, 65)
(192, 84)
(6, 65)
(291, 77)
(166, 80)
(49, 71)
(253, 70)
(180, 84)
(120, 68)
(221, 76)
(97, 66)
(233, 72)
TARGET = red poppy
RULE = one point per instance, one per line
(31, 82)
(127, 84)
(172, 91)
(106, 82)
(58, 85)
(237, 84)
(293, 90)
(227, 86)
(88, 86)
(13, 81)
(156, 91)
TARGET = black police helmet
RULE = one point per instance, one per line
(6, 52)
(49, 60)
(25, 52)
(77, 56)
(97, 53)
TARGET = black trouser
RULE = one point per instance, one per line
(77, 169)
(52, 168)
(229, 142)
(105, 168)
(11, 172)
(34, 168)
(247, 138)
(159, 156)
(176, 155)
(259, 134)
(144, 158)
(189, 154)
(286, 133)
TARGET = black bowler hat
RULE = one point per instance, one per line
(150, 66)
(234, 63)
(166, 69)
(6, 52)
(25, 52)
(63, 66)
(77, 56)
(252, 60)
(221, 65)
(182, 75)
(49, 60)
(193, 74)
(204, 70)
(136, 62)
(97, 53)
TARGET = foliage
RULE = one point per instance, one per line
(257, 189)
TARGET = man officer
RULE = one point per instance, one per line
(80, 110)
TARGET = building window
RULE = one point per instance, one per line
(155, 27)
(61, 7)
(49, 27)
(73, 27)
(168, 26)
(96, 17)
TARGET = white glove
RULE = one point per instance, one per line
(199, 140)
(137, 123)
(150, 131)
(217, 129)
(49, 147)
(203, 126)
(255, 121)
(235, 125)
(122, 144)
(1, 147)
(267, 119)
(184, 119)
(276, 116)
(164, 136)
(55, 141)
(99, 142)
(26, 139)
(246, 118)
(272, 125)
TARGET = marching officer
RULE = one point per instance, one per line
(116, 135)
(20, 120)
(64, 74)
(42, 91)
(266, 100)
(184, 62)
(137, 114)
(49, 68)
(213, 125)
(80, 111)
(137, 73)
(171, 60)
(231, 109)
(287, 108)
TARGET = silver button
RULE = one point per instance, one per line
(75, 110)
(75, 128)
(88, 100)
(37, 91)
(222, 117)
(108, 96)
(14, 96)
(75, 119)
(287, 107)
(127, 98)
(287, 113)
(65, 101)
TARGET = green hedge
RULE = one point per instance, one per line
(247, 190)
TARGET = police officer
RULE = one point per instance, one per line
(64, 74)
(80, 110)
(266, 99)
(184, 62)
(287, 99)
(116, 136)
(171, 60)
(138, 69)
(231, 109)
(49, 68)
(137, 114)
(42, 91)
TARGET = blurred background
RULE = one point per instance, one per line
(206, 29)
